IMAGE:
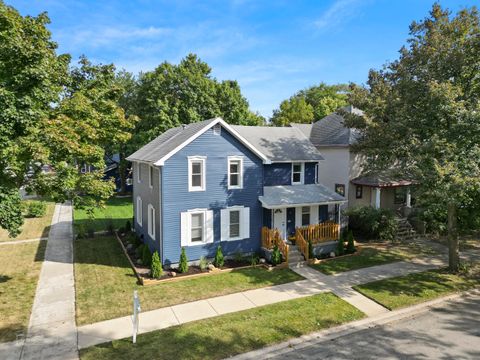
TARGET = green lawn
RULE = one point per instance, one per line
(117, 210)
(227, 335)
(32, 228)
(20, 266)
(415, 288)
(104, 283)
(372, 256)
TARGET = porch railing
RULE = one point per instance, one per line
(318, 233)
(272, 237)
(301, 243)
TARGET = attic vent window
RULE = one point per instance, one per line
(217, 129)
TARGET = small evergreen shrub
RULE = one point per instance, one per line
(276, 256)
(350, 242)
(340, 246)
(146, 256)
(156, 268)
(203, 263)
(128, 226)
(36, 209)
(183, 265)
(218, 261)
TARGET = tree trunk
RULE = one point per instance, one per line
(453, 256)
(122, 170)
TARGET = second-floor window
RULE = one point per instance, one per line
(235, 172)
(297, 173)
(196, 173)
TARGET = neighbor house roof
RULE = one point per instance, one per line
(331, 130)
(386, 179)
(164, 146)
(280, 144)
(310, 194)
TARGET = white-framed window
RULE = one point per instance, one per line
(196, 227)
(196, 173)
(139, 211)
(151, 221)
(235, 223)
(235, 172)
(150, 176)
(217, 129)
(139, 172)
(305, 215)
(297, 173)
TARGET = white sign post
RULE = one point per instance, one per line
(136, 312)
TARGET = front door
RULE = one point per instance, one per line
(280, 221)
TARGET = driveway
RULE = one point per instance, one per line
(448, 332)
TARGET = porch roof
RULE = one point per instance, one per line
(297, 195)
(381, 180)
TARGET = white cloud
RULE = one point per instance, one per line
(339, 12)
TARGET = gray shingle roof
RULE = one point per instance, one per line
(275, 196)
(330, 130)
(280, 143)
(166, 142)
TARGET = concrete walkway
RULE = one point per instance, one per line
(315, 283)
(52, 331)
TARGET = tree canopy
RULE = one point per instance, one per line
(422, 114)
(311, 104)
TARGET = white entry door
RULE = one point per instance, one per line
(280, 221)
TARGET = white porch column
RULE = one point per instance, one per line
(409, 198)
(377, 197)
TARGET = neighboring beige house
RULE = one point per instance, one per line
(342, 169)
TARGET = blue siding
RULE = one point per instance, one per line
(177, 198)
(291, 221)
(277, 174)
(310, 173)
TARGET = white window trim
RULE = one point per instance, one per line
(139, 169)
(150, 176)
(208, 230)
(240, 232)
(139, 209)
(244, 230)
(203, 160)
(302, 173)
(151, 221)
(240, 159)
(204, 227)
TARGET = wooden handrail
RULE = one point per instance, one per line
(301, 243)
(318, 233)
(272, 237)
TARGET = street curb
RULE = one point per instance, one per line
(350, 328)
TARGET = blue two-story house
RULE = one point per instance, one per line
(209, 183)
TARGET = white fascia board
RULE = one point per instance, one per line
(161, 162)
(295, 161)
(298, 205)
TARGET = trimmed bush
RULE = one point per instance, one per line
(203, 263)
(340, 246)
(276, 256)
(350, 242)
(218, 261)
(372, 223)
(156, 268)
(36, 209)
(146, 256)
(183, 265)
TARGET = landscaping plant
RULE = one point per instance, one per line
(183, 265)
(350, 242)
(340, 246)
(146, 256)
(218, 261)
(203, 263)
(36, 209)
(276, 256)
(156, 268)
(372, 223)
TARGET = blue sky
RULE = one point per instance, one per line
(272, 48)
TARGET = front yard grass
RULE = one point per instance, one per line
(117, 210)
(33, 228)
(372, 256)
(403, 291)
(104, 283)
(20, 266)
(231, 334)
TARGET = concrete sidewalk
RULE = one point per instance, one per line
(315, 283)
(52, 331)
